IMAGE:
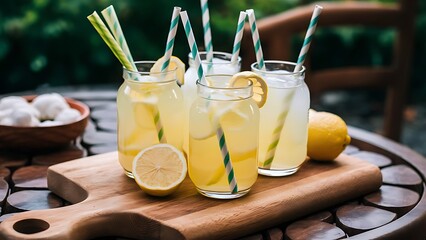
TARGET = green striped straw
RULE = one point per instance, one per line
(219, 133)
(270, 153)
(256, 39)
(115, 27)
(103, 31)
(207, 33)
(281, 118)
(193, 46)
(122, 57)
(308, 38)
(171, 38)
(227, 160)
(238, 37)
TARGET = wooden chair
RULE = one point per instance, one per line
(276, 34)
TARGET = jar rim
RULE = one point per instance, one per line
(145, 72)
(216, 52)
(148, 73)
(302, 70)
(250, 85)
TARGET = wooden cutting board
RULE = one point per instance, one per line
(107, 203)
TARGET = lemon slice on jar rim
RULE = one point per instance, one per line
(160, 169)
(175, 62)
(260, 88)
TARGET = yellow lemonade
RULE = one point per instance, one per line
(221, 64)
(232, 111)
(149, 105)
(283, 130)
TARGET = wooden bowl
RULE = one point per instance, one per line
(33, 139)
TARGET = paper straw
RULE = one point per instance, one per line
(238, 37)
(121, 56)
(171, 38)
(115, 27)
(219, 132)
(281, 118)
(226, 160)
(308, 38)
(159, 127)
(256, 39)
(207, 32)
(193, 47)
(109, 40)
(270, 154)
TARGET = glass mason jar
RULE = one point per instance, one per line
(150, 111)
(283, 130)
(223, 139)
(222, 64)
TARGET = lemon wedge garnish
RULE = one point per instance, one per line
(260, 88)
(159, 169)
(175, 63)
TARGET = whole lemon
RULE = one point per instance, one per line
(327, 136)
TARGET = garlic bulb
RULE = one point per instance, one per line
(68, 115)
(9, 102)
(49, 123)
(45, 110)
(49, 105)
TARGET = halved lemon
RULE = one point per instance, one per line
(260, 88)
(175, 62)
(159, 169)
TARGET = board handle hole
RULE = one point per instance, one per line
(30, 226)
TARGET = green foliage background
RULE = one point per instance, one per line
(51, 41)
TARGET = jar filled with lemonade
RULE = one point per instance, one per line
(221, 64)
(223, 138)
(150, 111)
(283, 131)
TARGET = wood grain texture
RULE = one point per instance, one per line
(355, 219)
(4, 190)
(311, 229)
(274, 234)
(32, 200)
(5, 173)
(30, 178)
(402, 175)
(104, 196)
(407, 226)
(70, 153)
(13, 161)
(395, 199)
(374, 158)
(323, 216)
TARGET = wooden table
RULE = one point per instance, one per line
(396, 211)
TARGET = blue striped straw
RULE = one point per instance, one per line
(193, 46)
(238, 36)
(256, 39)
(115, 27)
(207, 32)
(308, 38)
(171, 38)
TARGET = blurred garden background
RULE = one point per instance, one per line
(51, 42)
